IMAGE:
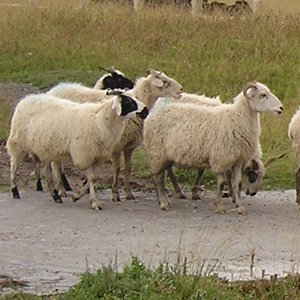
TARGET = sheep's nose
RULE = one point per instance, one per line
(281, 108)
(253, 194)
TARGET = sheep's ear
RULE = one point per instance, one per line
(157, 82)
(249, 88)
(117, 106)
(154, 73)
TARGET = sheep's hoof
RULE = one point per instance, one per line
(195, 196)
(39, 186)
(129, 196)
(220, 210)
(96, 206)
(165, 206)
(115, 198)
(15, 193)
(56, 197)
(242, 211)
(63, 194)
(180, 195)
(74, 197)
(226, 195)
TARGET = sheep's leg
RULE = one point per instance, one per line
(163, 200)
(83, 191)
(13, 175)
(56, 169)
(64, 180)
(88, 187)
(197, 188)
(236, 181)
(93, 198)
(116, 164)
(298, 187)
(54, 193)
(38, 166)
(178, 191)
(127, 159)
(219, 201)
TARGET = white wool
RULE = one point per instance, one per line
(219, 137)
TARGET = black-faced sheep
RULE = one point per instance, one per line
(147, 90)
(54, 129)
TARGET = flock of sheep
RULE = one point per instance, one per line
(91, 125)
(239, 7)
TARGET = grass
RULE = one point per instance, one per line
(139, 282)
(45, 44)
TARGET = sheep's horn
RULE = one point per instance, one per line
(154, 72)
(271, 159)
(247, 86)
(109, 70)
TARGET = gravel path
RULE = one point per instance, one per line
(50, 245)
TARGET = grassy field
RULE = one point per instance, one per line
(47, 43)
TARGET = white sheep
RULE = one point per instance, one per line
(294, 135)
(147, 90)
(54, 129)
(77, 92)
(223, 138)
(253, 171)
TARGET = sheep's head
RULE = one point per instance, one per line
(261, 99)
(126, 104)
(115, 79)
(253, 173)
(164, 86)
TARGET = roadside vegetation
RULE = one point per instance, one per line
(138, 282)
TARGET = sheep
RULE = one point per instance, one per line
(222, 138)
(111, 80)
(239, 7)
(77, 92)
(253, 171)
(255, 166)
(294, 136)
(146, 89)
(54, 129)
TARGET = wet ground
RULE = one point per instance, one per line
(49, 245)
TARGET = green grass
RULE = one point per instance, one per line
(139, 282)
(211, 55)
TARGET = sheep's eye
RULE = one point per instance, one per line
(263, 95)
(166, 83)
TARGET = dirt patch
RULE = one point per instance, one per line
(48, 245)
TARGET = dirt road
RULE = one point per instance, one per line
(50, 245)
